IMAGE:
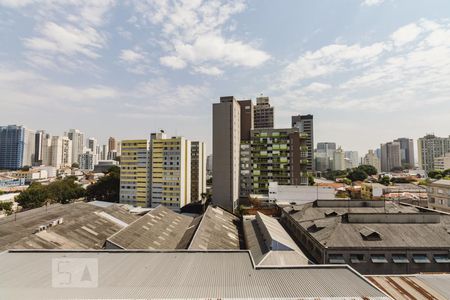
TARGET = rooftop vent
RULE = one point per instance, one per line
(369, 234)
(48, 225)
(330, 213)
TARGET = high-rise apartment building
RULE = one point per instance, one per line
(113, 149)
(170, 171)
(247, 118)
(17, 147)
(305, 123)
(198, 170)
(92, 145)
(226, 151)
(263, 113)
(352, 157)
(104, 152)
(390, 156)
(209, 164)
(247, 123)
(112, 144)
(442, 163)
(88, 160)
(406, 152)
(324, 156)
(339, 160)
(278, 155)
(77, 138)
(429, 147)
(61, 152)
(134, 173)
(372, 159)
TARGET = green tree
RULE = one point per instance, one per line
(384, 180)
(368, 169)
(357, 175)
(75, 165)
(65, 190)
(435, 174)
(311, 180)
(347, 181)
(106, 188)
(35, 196)
(446, 173)
(7, 207)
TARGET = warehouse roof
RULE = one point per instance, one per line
(206, 275)
(218, 229)
(406, 287)
(270, 244)
(342, 228)
(70, 226)
(160, 228)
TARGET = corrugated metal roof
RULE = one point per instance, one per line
(160, 228)
(163, 275)
(218, 229)
(83, 226)
(414, 287)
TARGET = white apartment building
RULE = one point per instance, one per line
(372, 159)
(198, 170)
(88, 160)
(77, 138)
(339, 160)
(61, 152)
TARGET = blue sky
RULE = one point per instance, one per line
(369, 70)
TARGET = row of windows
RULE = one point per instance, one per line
(395, 258)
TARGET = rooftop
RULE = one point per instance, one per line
(397, 225)
(218, 229)
(441, 182)
(270, 244)
(160, 228)
(199, 275)
(69, 226)
(406, 287)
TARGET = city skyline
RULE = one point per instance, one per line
(136, 63)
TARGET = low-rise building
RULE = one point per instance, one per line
(439, 195)
(372, 191)
(7, 181)
(299, 194)
(373, 237)
(442, 163)
(104, 165)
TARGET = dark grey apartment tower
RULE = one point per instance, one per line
(406, 152)
(226, 153)
(390, 156)
(247, 118)
(305, 123)
(263, 113)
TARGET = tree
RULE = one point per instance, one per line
(7, 207)
(311, 180)
(106, 188)
(35, 196)
(384, 180)
(435, 174)
(75, 165)
(368, 169)
(65, 190)
(25, 168)
(446, 173)
(357, 175)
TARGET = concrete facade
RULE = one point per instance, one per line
(439, 195)
(429, 147)
(305, 123)
(263, 113)
(226, 151)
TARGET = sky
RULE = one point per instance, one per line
(369, 71)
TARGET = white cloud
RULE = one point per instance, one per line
(213, 71)
(377, 77)
(67, 40)
(406, 34)
(192, 33)
(372, 2)
(131, 56)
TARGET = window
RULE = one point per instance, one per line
(336, 259)
(421, 259)
(378, 259)
(357, 258)
(441, 258)
(400, 259)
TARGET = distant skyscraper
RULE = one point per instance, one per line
(88, 160)
(339, 160)
(247, 118)
(92, 145)
(198, 170)
(226, 151)
(61, 152)
(306, 125)
(353, 158)
(134, 173)
(77, 138)
(112, 144)
(372, 159)
(378, 153)
(406, 152)
(17, 147)
(430, 147)
(326, 147)
(390, 156)
(263, 113)
(324, 156)
(209, 164)
(104, 152)
(41, 148)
